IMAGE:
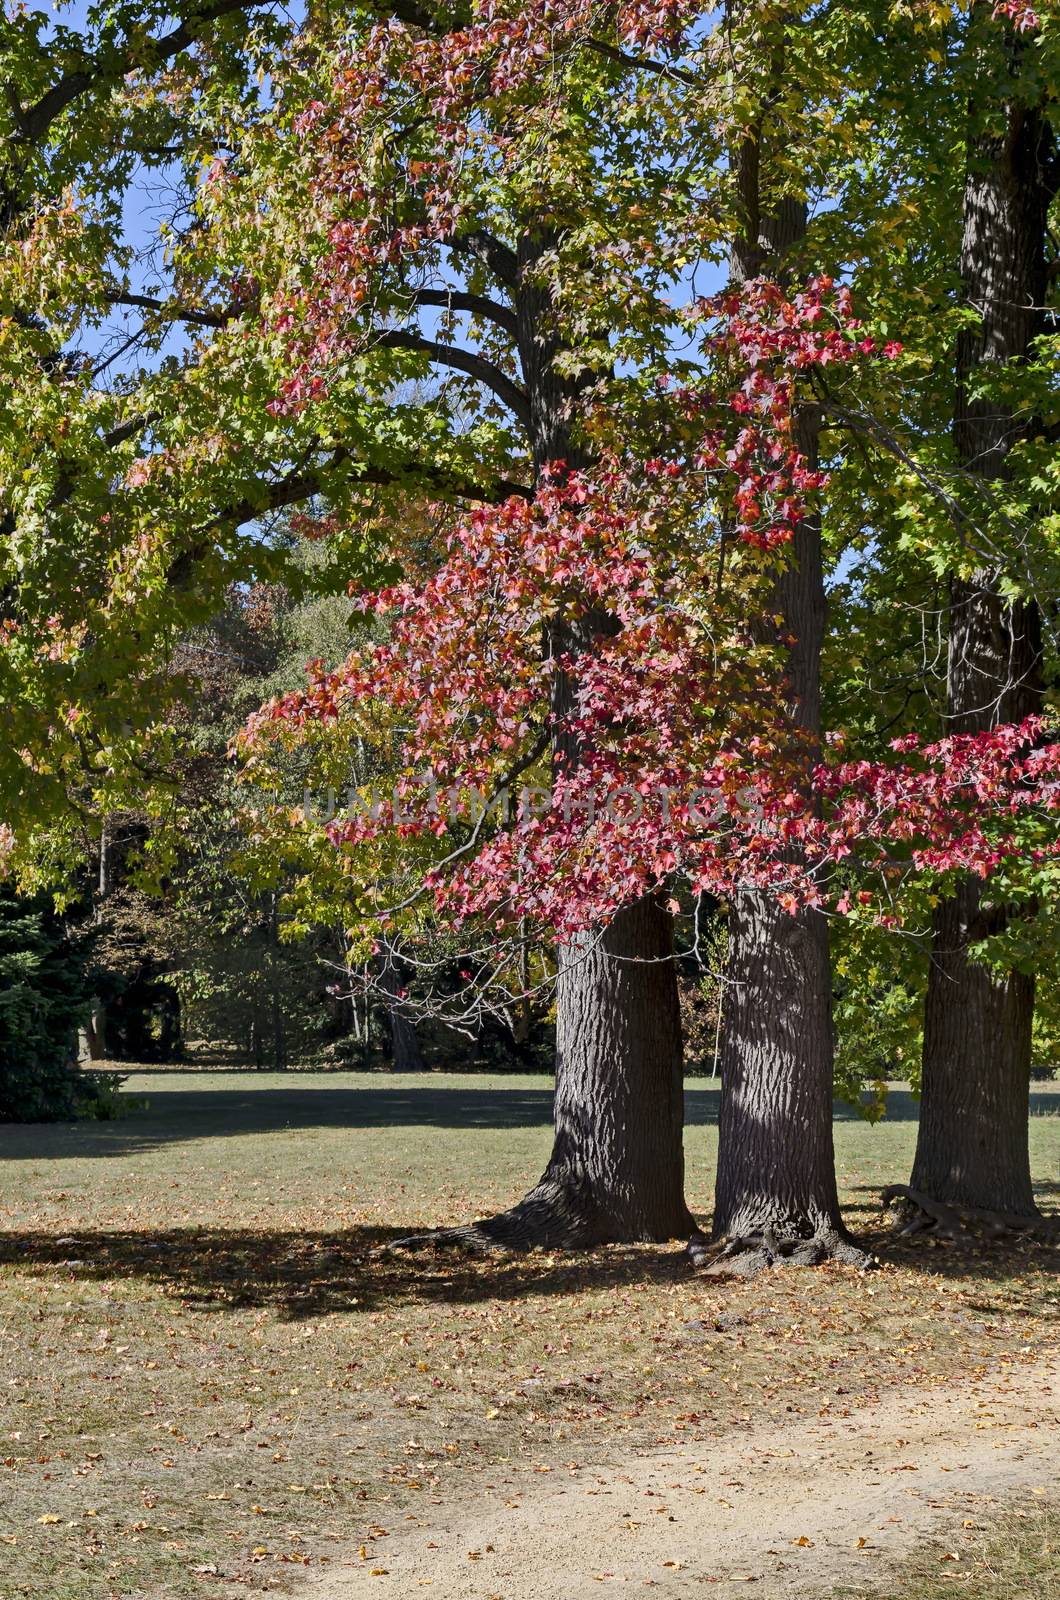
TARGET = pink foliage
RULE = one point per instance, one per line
(573, 623)
(1021, 15)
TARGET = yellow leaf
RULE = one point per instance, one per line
(806, 1544)
(49, 1518)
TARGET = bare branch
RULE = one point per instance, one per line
(662, 69)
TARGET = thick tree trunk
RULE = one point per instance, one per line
(775, 1193)
(776, 1170)
(616, 1172)
(972, 1143)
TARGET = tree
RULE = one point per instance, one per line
(972, 1141)
(954, 485)
(43, 999)
(499, 208)
(775, 1192)
(140, 465)
(372, 250)
(494, 229)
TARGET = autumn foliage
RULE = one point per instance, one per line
(586, 713)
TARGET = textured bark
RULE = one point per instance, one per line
(972, 1143)
(616, 1172)
(776, 1172)
(775, 1193)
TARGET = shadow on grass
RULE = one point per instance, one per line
(175, 1115)
(299, 1275)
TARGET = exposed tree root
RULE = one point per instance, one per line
(746, 1255)
(553, 1216)
(920, 1213)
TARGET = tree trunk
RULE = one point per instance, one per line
(96, 1025)
(972, 1143)
(94, 1031)
(775, 1192)
(616, 1172)
(405, 1053)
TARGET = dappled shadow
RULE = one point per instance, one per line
(983, 1259)
(300, 1275)
(975, 1256)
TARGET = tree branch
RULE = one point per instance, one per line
(476, 366)
(477, 305)
(177, 312)
(303, 483)
(97, 71)
(662, 69)
(500, 260)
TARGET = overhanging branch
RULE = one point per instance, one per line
(476, 305)
(175, 311)
(468, 361)
(110, 67)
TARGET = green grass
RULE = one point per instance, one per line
(204, 1365)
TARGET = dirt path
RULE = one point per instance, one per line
(794, 1510)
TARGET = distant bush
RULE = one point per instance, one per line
(43, 1000)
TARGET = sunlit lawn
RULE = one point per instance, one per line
(209, 1378)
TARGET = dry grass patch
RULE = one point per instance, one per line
(1015, 1557)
